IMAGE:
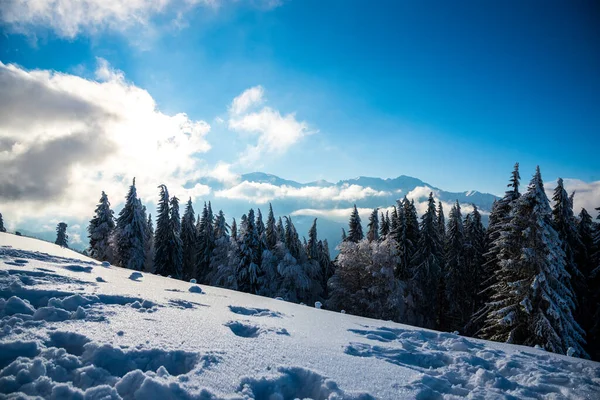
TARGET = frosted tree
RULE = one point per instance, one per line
(441, 222)
(62, 239)
(355, 232)
(149, 246)
(271, 230)
(384, 228)
(206, 243)
(100, 230)
(2, 228)
(248, 271)
(373, 226)
(280, 230)
(221, 228)
(129, 240)
(344, 236)
(176, 247)
(234, 235)
(189, 241)
(532, 303)
(404, 247)
(427, 269)
(458, 295)
(474, 259)
(327, 266)
(312, 247)
(565, 224)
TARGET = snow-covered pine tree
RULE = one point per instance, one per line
(394, 222)
(441, 222)
(473, 253)
(163, 234)
(221, 228)
(532, 303)
(280, 231)
(207, 244)
(312, 247)
(384, 228)
(199, 268)
(189, 241)
(62, 239)
(565, 224)
(344, 236)
(248, 271)
(348, 287)
(271, 229)
(176, 246)
(234, 235)
(498, 238)
(404, 248)
(594, 287)
(327, 266)
(100, 230)
(355, 231)
(427, 269)
(373, 231)
(130, 233)
(458, 299)
(149, 246)
(2, 228)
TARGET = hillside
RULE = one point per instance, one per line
(71, 327)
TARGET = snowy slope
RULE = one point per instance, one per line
(71, 328)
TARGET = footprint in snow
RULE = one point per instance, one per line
(254, 312)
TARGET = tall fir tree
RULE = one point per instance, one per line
(189, 240)
(427, 269)
(176, 247)
(441, 222)
(271, 229)
(373, 226)
(532, 303)
(62, 239)
(384, 228)
(355, 231)
(312, 248)
(474, 260)
(149, 246)
(234, 235)
(206, 245)
(2, 228)
(457, 293)
(248, 271)
(129, 240)
(100, 231)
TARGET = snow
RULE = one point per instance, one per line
(95, 332)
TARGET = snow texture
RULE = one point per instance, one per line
(65, 334)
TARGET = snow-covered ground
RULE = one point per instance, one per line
(73, 328)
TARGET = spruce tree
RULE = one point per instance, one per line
(271, 230)
(344, 236)
(100, 230)
(234, 230)
(280, 231)
(312, 248)
(176, 246)
(2, 228)
(441, 222)
(221, 228)
(532, 302)
(206, 245)
(474, 260)
(188, 240)
(427, 269)
(373, 232)
(384, 228)
(149, 246)
(162, 234)
(62, 239)
(248, 271)
(355, 232)
(130, 233)
(327, 266)
(588, 306)
(457, 290)
(404, 247)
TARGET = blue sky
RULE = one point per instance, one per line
(453, 93)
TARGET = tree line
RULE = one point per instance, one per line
(532, 277)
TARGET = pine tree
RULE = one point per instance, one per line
(427, 269)
(176, 245)
(189, 240)
(474, 260)
(129, 240)
(312, 248)
(498, 239)
(271, 229)
(355, 232)
(441, 222)
(221, 228)
(327, 266)
(234, 230)
(2, 228)
(149, 246)
(373, 232)
(280, 231)
(62, 239)
(100, 230)
(384, 228)
(457, 291)
(532, 302)
(248, 271)
(344, 236)
(206, 245)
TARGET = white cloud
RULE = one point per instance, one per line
(261, 193)
(69, 18)
(339, 214)
(222, 173)
(587, 194)
(64, 139)
(249, 98)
